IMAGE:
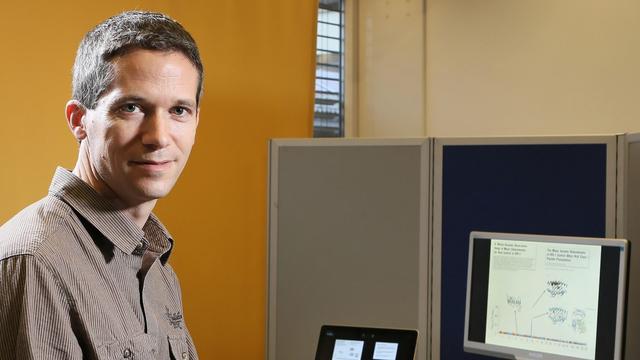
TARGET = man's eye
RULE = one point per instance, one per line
(130, 108)
(178, 110)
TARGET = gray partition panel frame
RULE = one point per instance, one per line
(423, 147)
(629, 227)
(438, 150)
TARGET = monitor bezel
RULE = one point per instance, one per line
(514, 353)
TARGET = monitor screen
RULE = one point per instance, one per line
(545, 297)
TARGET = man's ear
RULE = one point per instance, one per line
(75, 113)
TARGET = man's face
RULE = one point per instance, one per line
(141, 132)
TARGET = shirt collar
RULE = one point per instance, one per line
(114, 224)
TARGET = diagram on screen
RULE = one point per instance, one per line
(579, 323)
(536, 296)
(545, 311)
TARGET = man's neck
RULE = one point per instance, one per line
(138, 212)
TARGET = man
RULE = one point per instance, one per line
(84, 272)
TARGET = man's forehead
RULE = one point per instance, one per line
(164, 64)
(145, 74)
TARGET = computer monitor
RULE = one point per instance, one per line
(545, 297)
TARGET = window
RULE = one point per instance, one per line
(329, 96)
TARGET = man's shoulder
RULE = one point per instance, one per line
(33, 226)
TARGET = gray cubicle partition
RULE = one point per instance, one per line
(374, 232)
(348, 239)
(545, 185)
(628, 226)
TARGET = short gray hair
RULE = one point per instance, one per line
(93, 70)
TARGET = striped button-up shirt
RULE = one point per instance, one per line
(79, 280)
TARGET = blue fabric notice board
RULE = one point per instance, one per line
(557, 189)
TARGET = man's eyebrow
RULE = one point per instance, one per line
(135, 98)
(186, 102)
(128, 98)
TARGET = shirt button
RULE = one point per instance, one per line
(126, 353)
(185, 356)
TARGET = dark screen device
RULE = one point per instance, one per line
(363, 343)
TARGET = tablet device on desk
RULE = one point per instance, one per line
(360, 343)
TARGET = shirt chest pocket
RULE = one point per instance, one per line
(178, 348)
(139, 347)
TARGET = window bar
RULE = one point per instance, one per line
(329, 94)
(341, 70)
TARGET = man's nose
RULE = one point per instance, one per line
(156, 130)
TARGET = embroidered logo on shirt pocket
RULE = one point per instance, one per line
(174, 318)
(178, 345)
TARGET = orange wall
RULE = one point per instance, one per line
(259, 63)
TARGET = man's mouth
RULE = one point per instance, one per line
(152, 165)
